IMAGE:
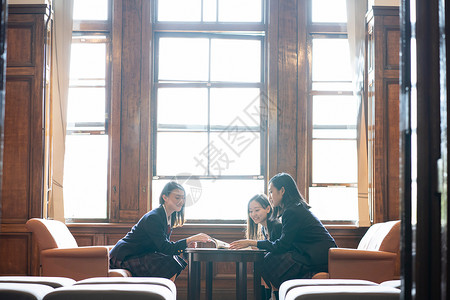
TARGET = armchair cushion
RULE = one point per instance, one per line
(51, 234)
(361, 292)
(23, 291)
(119, 273)
(382, 237)
(377, 266)
(131, 280)
(77, 263)
(112, 292)
(293, 283)
(54, 282)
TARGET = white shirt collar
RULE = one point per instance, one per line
(167, 217)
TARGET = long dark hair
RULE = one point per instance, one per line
(291, 194)
(177, 217)
(253, 232)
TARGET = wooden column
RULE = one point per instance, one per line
(382, 54)
(26, 139)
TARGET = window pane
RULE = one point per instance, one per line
(334, 203)
(181, 153)
(85, 176)
(88, 60)
(183, 59)
(182, 106)
(90, 10)
(87, 82)
(214, 199)
(331, 60)
(329, 11)
(235, 153)
(334, 110)
(228, 104)
(334, 134)
(332, 86)
(235, 60)
(334, 161)
(209, 10)
(179, 10)
(86, 105)
(240, 11)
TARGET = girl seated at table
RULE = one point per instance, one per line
(261, 225)
(302, 249)
(146, 250)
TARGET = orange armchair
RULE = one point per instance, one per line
(61, 256)
(376, 259)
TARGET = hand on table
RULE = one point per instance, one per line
(240, 244)
(200, 237)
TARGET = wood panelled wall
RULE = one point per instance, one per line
(129, 184)
(26, 134)
(383, 46)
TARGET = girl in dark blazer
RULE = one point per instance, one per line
(260, 212)
(302, 249)
(146, 251)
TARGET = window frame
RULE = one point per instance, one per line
(95, 28)
(235, 30)
(321, 30)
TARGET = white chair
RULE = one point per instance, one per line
(343, 292)
(111, 292)
(132, 280)
(23, 291)
(293, 283)
(54, 282)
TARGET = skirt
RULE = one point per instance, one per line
(277, 268)
(151, 265)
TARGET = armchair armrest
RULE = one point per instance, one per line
(377, 266)
(76, 263)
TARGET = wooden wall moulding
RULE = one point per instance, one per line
(20, 43)
(17, 149)
(382, 55)
(26, 101)
(26, 142)
(15, 253)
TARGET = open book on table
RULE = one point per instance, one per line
(220, 244)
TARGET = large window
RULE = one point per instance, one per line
(86, 153)
(333, 191)
(209, 127)
(208, 110)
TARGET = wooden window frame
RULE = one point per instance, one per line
(321, 30)
(94, 28)
(213, 30)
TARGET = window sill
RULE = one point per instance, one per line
(194, 227)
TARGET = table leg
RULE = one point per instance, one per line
(193, 279)
(209, 278)
(241, 280)
(257, 289)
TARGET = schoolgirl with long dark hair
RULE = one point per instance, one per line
(302, 249)
(146, 250)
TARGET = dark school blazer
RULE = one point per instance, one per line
(304, 235)
(274, 229)
(151, 234)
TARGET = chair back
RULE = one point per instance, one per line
(51, 234)
(382, 237)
